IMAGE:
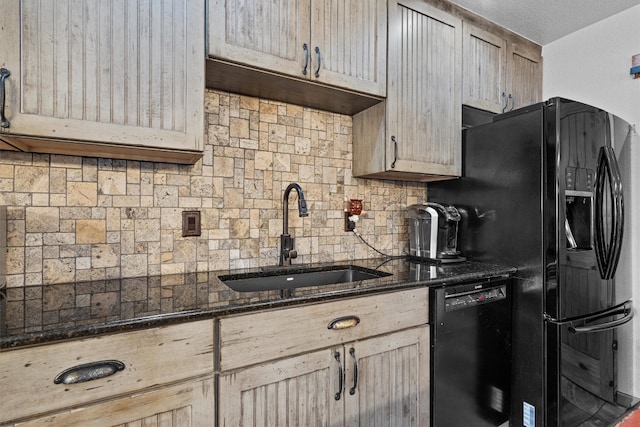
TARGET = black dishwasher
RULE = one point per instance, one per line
(471, 354)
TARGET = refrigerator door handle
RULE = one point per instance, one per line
(608, 248)
(597, 327)
(622, 308)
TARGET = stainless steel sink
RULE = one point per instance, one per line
(285, 278)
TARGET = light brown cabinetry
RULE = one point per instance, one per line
(32, 385)
(189, 404)
(524, 74)
(295, 370)
(415, 134)
(332, 42)
(501, 71)
(109, 79)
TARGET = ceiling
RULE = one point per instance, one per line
(544, 21)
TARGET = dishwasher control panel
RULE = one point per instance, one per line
(458, 301)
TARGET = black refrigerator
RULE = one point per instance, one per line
(541, 190)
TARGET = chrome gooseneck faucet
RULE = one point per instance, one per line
(287, 253)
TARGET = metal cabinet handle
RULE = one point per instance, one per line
(306, 58)
(352, 390)
(4, 122)
(343, 322)
(319, 61)
(340, 376)
(89, 372)
(395, 151)
(508, 98)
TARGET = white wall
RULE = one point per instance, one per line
(592, 66)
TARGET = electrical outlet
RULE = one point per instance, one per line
(190, 223)
(348, 224)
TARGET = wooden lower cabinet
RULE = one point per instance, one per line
(164, 374)
(380, 380)
(190, 404)
(150, 358)
(293, 391)
(393, 380)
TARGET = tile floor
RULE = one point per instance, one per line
(583, 409)
(606, 415)
(630, 419)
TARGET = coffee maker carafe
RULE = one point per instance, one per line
(433, 232)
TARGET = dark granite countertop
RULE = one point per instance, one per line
(42, 314)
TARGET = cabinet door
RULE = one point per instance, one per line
(267, 34)
(392, 376)
(524, 75)
(349, 44)
(297, 391)
(484, 67)
(117, 72)
(424, 95)
(185, 405)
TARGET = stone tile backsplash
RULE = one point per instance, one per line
(78, 218)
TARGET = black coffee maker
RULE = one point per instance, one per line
(433, 233)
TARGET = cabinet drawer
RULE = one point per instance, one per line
(188, 404)
(253, 338)
(150, 357)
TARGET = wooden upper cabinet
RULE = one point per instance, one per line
(349, 44)
(524, 76)
(341, 43)
(261, 33)
(501, 71)
(416, 133)
(484, 67)
(120, 79)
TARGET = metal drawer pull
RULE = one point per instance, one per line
(4, 122)
(343, 322)
(88, 372)
(340, 376)
(352, 390)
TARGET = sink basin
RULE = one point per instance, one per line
(288, 278)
